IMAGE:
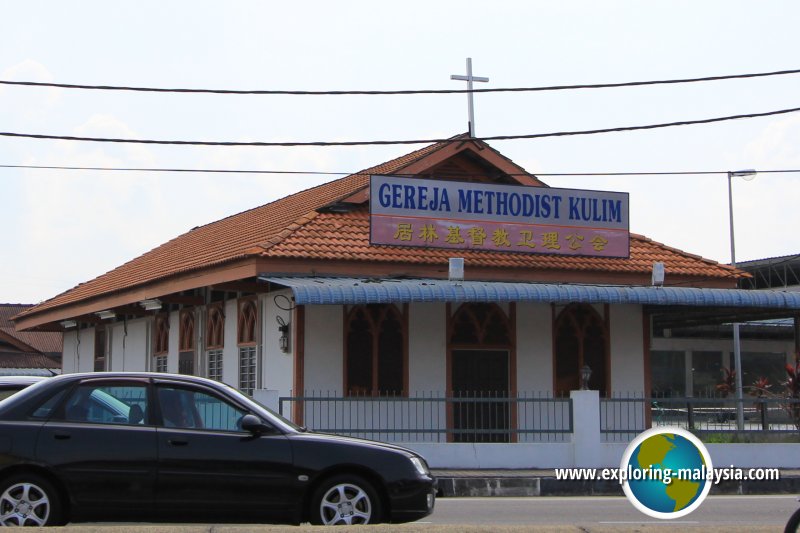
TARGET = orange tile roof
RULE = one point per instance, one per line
(345, 236)
(43, 341)
(293, 228)
(26, 361)
(228, 239)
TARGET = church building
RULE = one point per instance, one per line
(444, 296)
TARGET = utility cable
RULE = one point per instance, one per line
(401, 92)
(321, 173)
(398, 142)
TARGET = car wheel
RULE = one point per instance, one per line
(793, 523)
(345, 500)
(29, 500)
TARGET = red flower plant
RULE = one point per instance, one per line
(728, 384)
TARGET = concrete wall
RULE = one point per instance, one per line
(230, 352)
(128, 346)
(627, 349)
(427, 342)
(277, 370)
(534, 347)
(324, 365)
(78, 354)
(324, 342)
(586, 449)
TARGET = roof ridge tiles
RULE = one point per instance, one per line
(291, 228)
(685, 253)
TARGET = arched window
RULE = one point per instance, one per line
(247, 322)
(376, 346)
(480, 324)
(215, 327)
(247, 338)
(161, 342)
(186, 342)
(580, 339)
(161, 346)
(215, 340)
(186, 333)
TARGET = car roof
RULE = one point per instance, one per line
(154, 375)
(162, 376)
(21, 380)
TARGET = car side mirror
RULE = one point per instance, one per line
(254, 425)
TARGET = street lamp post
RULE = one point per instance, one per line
(737, 352)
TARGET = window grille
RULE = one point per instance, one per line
(214, 370)
(247, 369)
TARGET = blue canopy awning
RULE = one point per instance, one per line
(320, 290)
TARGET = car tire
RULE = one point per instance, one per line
(793, 523)
(29, 500)
(345, 500)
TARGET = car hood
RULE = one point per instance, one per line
(311, 436)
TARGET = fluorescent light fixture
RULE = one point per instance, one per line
(456, 269)
(658, 274)
(748, 173)
(151, 305)
(106, 315)
(68, 324)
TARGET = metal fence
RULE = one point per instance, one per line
(434, 417)
(623, 417)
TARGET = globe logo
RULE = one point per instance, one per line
(666, 472)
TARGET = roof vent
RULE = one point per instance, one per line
(456, 272)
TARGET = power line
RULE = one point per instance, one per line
(401, 92)
(193, 170)
(397, 142)
(322, 173)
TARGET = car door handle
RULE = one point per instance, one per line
(62, 436)
(178, 442)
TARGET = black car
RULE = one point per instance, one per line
(13, 384)
(144, 446)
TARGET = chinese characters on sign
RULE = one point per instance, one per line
(480, 216)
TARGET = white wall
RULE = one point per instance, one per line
(86, 349)
(230, 352)
(427, 345)
(78, 354)
(277, 369)
(128, 352)
(627, 349)
(324, 340)
(534, 347)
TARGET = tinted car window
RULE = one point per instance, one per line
(104, 404)
(46, 409)
(187, 408)
(5, 392)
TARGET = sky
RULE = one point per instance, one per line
(61, 228)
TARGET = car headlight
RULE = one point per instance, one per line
(420, 465)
